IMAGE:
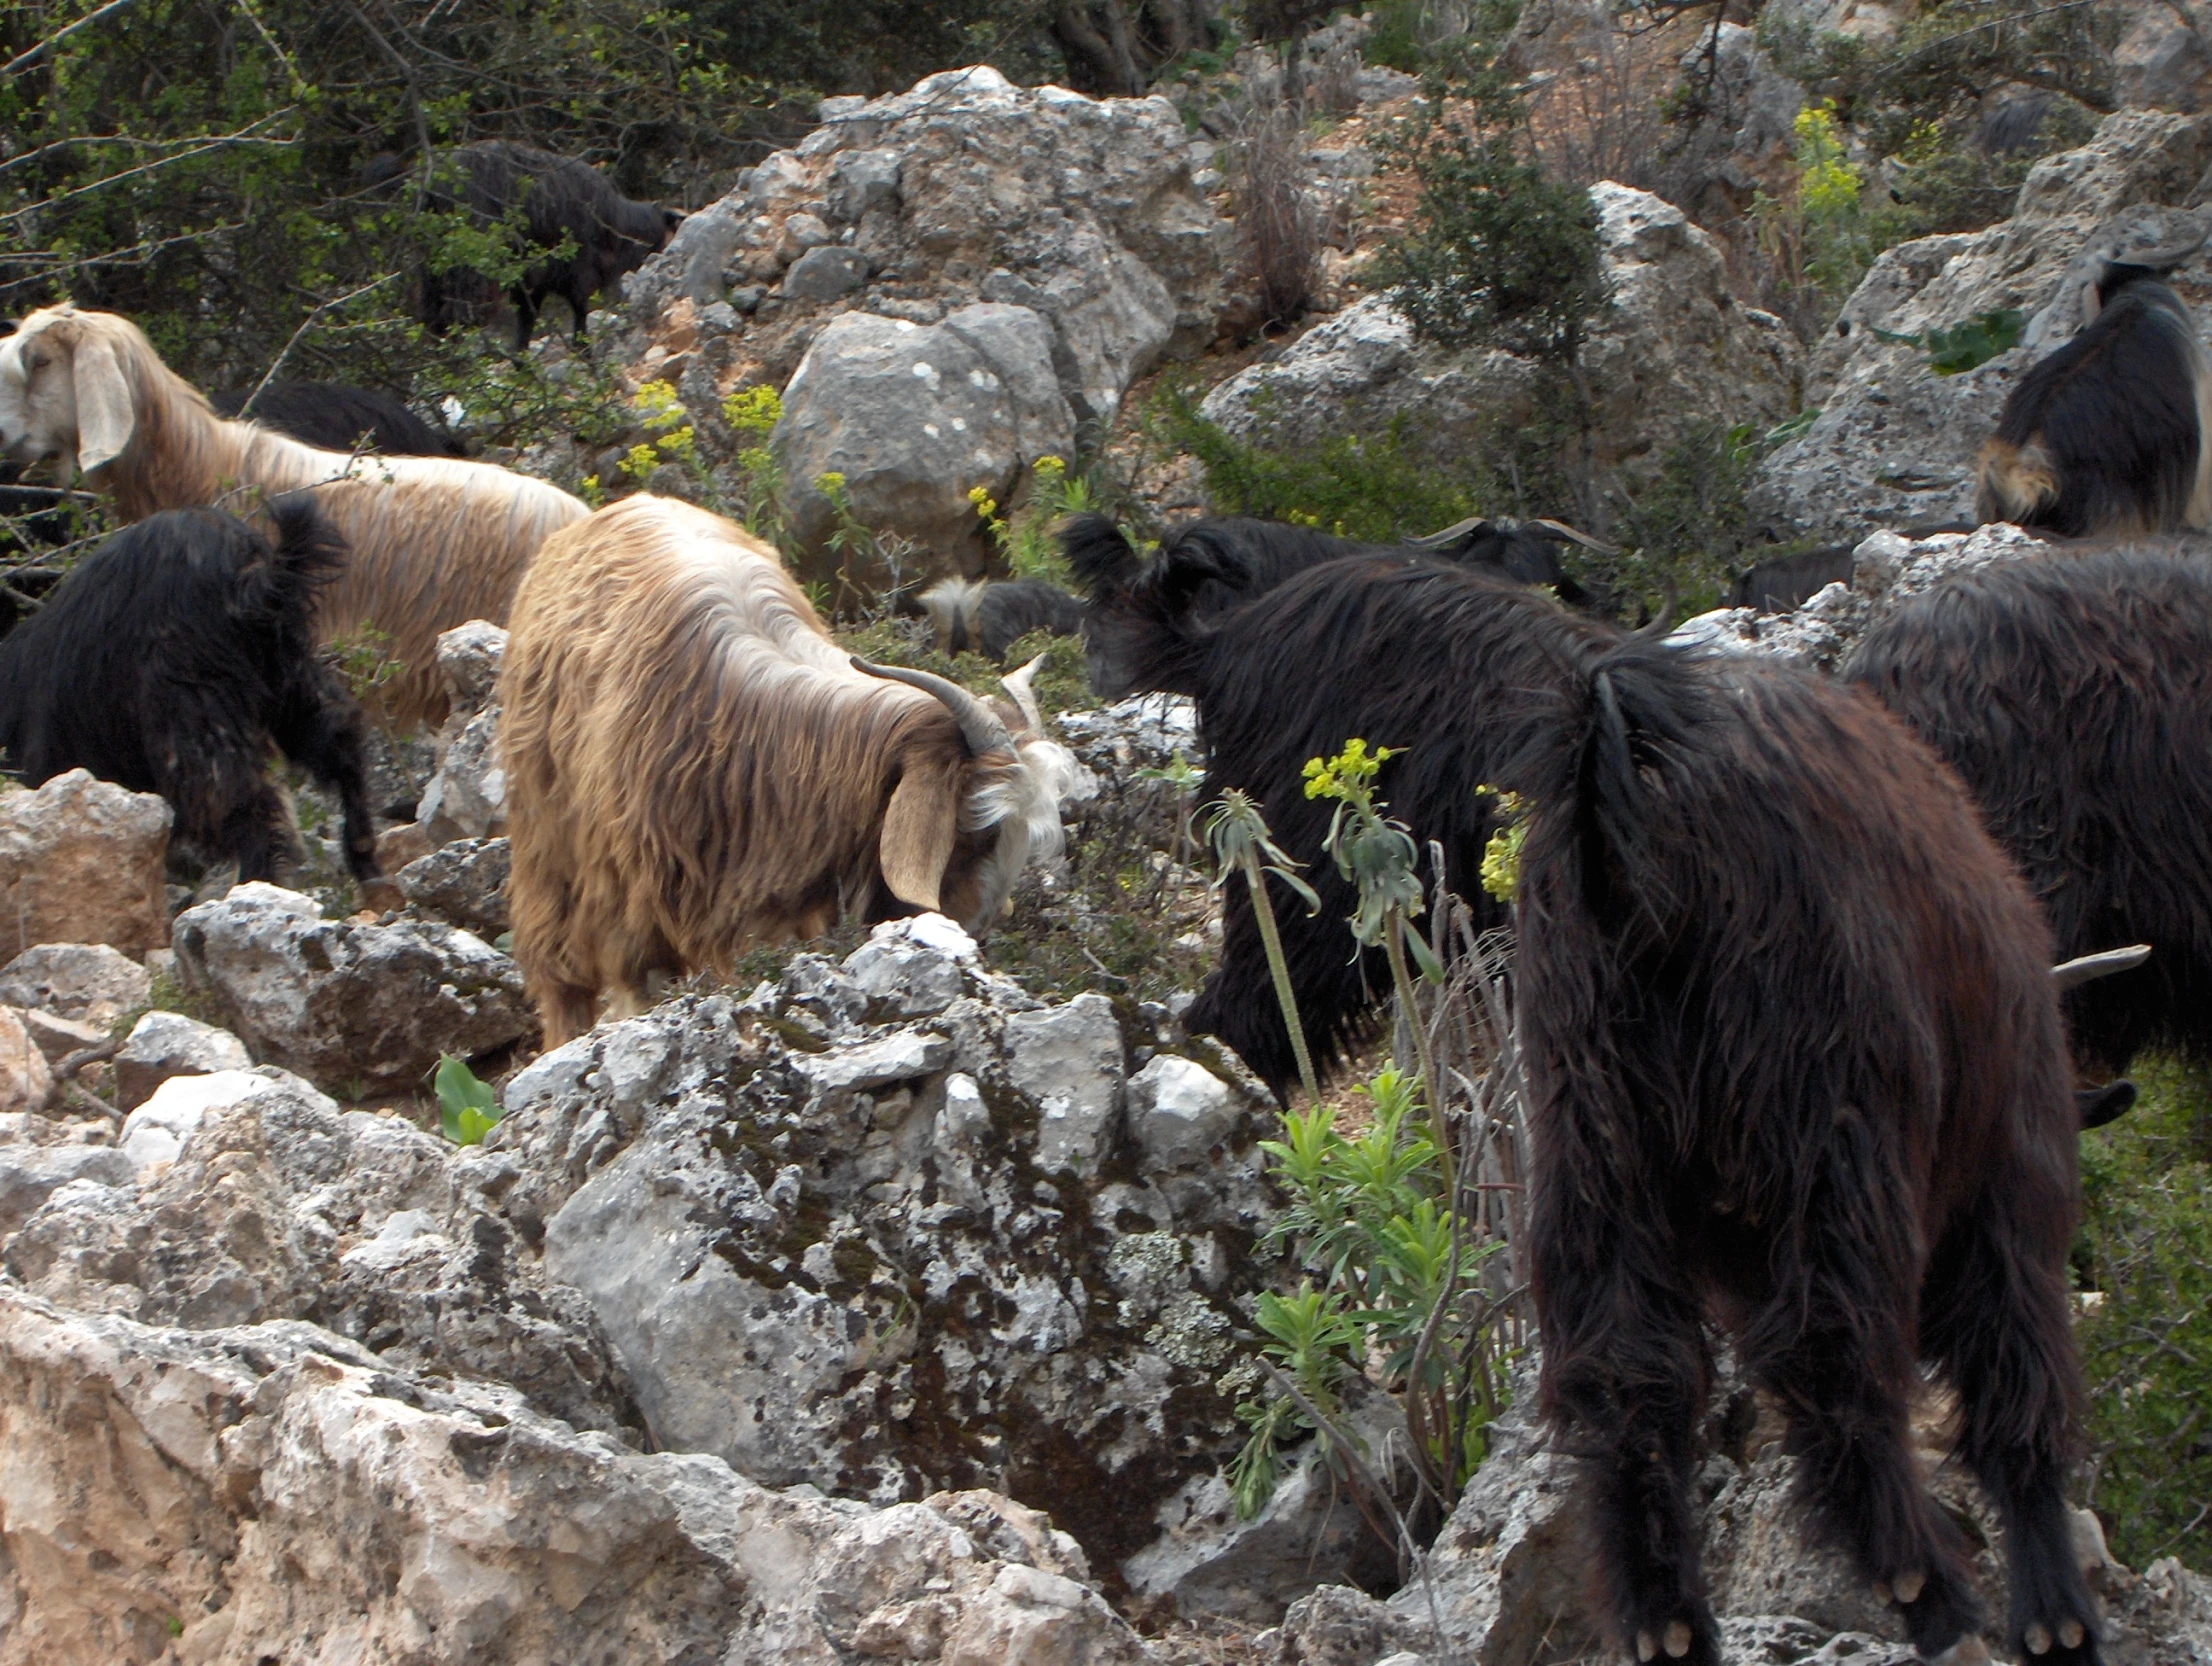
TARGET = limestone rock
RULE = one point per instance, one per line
(1894, 443)
(914, 417)
(1069, 1060)
(465, 882)
(467, 798)
(25, 1082)
(80, 862)
(56, 1037)
(1081, 213)
(227, 1494)
(346, 1003)
(89, 982)
(1672, 352)
(29, 1174)
(1179, 1111)
(163, 1045)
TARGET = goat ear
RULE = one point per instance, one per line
(105, 417)
(918, 832)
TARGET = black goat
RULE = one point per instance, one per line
(559, 198)
(1787, 582)
(337, 418)
(2073, 695)
(993, 617)
(1793, 1051)
(171, 661)
(2112, 433)
(1246, 558)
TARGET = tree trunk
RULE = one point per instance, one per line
(1100, 49)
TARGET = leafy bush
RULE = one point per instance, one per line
(2145, 1258)
(1682, 530)
(1377, 487)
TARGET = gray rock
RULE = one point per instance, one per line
(802, 232)
(238, 1490)
(914, 968)
(1673, 352)
(29, 1174)
(861, 180)
(89, 982)
(823, 274)
(345, 1003)
(2162, 60)
(1179, 1111)
(1894, 443)
(465, 882)
(81, 862)
(25, 1082)
(913, 417)
(166, 1044)
(467, 798)
(57, 1037)
(468, 658)
(1069, 1060)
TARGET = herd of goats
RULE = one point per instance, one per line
(1797, 1059)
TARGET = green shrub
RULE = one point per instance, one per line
(468, 1109)
(2145, 1258)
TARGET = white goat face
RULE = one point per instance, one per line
(1023, 803)
(63, 394)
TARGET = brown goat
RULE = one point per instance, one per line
(435, 541)
(694, 767)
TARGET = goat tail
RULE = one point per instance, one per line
(309, 553)
(1644, 705)
(2014, 483)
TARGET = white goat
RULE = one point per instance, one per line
(437, 541)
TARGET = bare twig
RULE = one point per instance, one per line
(30, 59)
(277, 364)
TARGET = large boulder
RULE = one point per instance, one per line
(233, 1494)
(1894, 443)
(884, 1228)
(81, 862)
(1079, 213)
(1672, 353)
(345, 1003)
(914, 416)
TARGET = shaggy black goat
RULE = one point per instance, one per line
(2073, 695)
(1787, 582)
(559, 197)
(993, 617)
(1793, 1051)
(2112, 433)
(172, 659)
(337, 417)
(1245, 558)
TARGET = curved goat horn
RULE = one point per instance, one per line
(1022, 685)
(2068, 973)
(2173, 255)
(979, 725)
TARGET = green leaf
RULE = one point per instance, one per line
(468, 1109)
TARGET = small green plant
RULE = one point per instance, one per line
(468, 1109)
(1378, 855)
(2144, 1255)
(1955, 348)
(1242, 845)
(363, 657)
(1372, 1218)
(1024, 537)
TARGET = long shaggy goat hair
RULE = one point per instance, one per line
(1246, 558)
(337, 417)
(2112, 433)
(560, 198)
(694, 767)
(2073, 695)
(1793, 1051)
(173, 659)
(435, 541)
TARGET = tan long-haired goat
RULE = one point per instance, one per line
(436, 541)
(694, 767)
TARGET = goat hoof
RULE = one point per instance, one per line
(2071, 1633)
(2037, 1637)
(1910, 1585)
(1645, 1647)
(1678, 1639)
(1882, 1591)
